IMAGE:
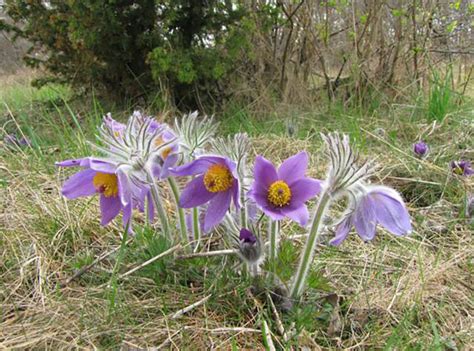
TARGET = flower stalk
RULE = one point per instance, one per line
(181, 216)
(274, 237)
(306, 260)
(196, 228)
(155, 195)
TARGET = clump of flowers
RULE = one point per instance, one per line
(135, 160)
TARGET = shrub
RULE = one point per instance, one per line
(125, 47)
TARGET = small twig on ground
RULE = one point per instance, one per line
(279, 324)
(89, 266)
(226, 330)
(151, 260)
(167, 341)
(190, 307)
(207, 254)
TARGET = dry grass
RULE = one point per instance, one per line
(398, 293)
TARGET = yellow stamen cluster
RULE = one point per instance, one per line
(279, 193)
(218, 178)
(166, 151)
(106, 183)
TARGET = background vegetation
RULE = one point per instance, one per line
(388, 73)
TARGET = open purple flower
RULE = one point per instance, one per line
(103, 178)
(421, 149)
(378, 205)
(216, 182)
(283, 192)
(462, 167)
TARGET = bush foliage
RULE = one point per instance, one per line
(125, 47)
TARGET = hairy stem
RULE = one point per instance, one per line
(155, 195)
(181, 216)
(299, 280)
(196, 228)
(273, 229)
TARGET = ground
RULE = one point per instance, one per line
(412, 292)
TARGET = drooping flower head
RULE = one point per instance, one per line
(250, 247)
(371, 206)
(99, 177)
(216, 182)
(462, 167)
(13, 140)
(421, 149)
(195, 132)
(345, 169)
(282, 193)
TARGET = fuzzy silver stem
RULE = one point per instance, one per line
(181, 217)
(273, 237)
(196, 228)
(299, 280)
(155, 195)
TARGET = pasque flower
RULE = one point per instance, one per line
(216, 182)
(421, 149)
(462, 167)
(374, 205)
(250, 247)
(282, 193)
(99, 177)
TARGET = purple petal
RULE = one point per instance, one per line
(247, 236)
(89, 162)
(293, 168)
(109, 208)
(217, 209)
(195, 193)
(169, 162)
(102, 166)
(199, 166)
(73, 162)
(127, 217)
(236, 194)
(302, 190)
(264, 172)
(150, 207)
(124, 184)
(300, 214)
(79, 184)
(274, 213)
(365, 219)
(342, 230)
(391, 214)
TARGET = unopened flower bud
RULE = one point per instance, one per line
(421, 149)
(250, 247)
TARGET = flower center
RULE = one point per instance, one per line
(279, 193)
(166, 151)
(106, 184)
(218, 178)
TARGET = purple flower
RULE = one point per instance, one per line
(421, 149)
(283, 192)
(250, 247)
(168, 156)
(12, 140)
(216, 182)
(378, 205)
(462, 167)
(116, 127)
(115, 191)
(247, 236)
